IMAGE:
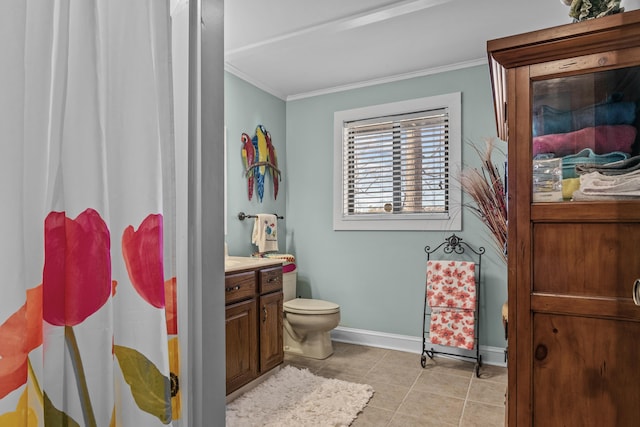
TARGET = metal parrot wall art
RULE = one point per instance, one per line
(248, 157)
(260, 159)
(260, 144)
(273, 159)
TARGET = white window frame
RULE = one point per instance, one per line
(451, 221)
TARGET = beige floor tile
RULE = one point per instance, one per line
(341, 372)
(387, 396)
(430, 406)
(393, 357)
(482, 415)
(402, 420)
(393, 374)
(339, 347)
(487, 392)
(351, 367)
(493, 373)
(451, 366)
(360, 352)
(445, 384)
(373, 417)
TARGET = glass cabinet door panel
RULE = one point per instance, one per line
(585, 139)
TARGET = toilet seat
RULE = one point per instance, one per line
(310, 306)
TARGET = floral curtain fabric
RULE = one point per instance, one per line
(88, 325)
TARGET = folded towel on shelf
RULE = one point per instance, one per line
(601, 139)
(595, 186)
(547, 119)
(265, 235)
(451, 284)
(587, 157)
(615, 168)
(452, 327)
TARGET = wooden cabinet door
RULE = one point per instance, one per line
(241, 344)
(586, 371)
(271, 345)
(585, 326)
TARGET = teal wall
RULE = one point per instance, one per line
(377, 277)
(245, 108)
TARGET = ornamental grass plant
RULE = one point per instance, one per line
(487, 189)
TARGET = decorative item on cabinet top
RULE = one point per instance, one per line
(260, 159)
(581, 10)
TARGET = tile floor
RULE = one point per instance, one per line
(445, 393)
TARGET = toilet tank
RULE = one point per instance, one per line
(289, 280)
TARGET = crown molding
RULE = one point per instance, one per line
(389, 79)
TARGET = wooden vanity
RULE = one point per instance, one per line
(253, 299)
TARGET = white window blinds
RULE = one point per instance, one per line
(396, 164)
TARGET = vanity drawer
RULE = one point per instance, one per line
(270, 279)
(239, 286)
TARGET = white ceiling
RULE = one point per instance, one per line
(298, 48)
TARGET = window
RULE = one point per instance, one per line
(393, 165)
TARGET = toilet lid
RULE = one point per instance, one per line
(310, 306)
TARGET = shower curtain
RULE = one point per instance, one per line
(88, 331)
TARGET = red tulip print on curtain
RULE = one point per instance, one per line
(77, 267)
(76, 282)
(142, 251)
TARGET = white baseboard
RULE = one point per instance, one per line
(490, 355)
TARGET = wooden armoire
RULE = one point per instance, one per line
(573, 251)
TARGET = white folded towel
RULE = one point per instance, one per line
(595, 185)
(265, 234)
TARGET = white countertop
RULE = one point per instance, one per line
(237, 263)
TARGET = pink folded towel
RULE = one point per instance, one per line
(601, 139)
(451, 284)
(452, 327)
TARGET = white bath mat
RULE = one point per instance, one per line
(296, 397)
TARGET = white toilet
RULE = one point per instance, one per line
(307, 322)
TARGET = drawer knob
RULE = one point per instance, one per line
(234, 288)
(636, 292)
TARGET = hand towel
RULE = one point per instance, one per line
(451, 284)
(452, 327)
(265, 234)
